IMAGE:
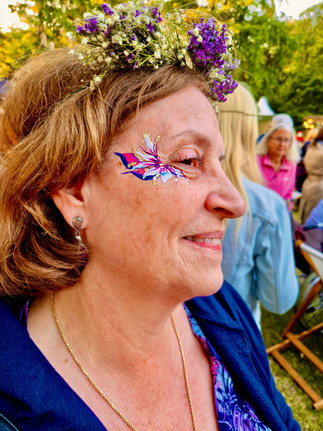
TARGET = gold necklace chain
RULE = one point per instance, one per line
(96, 387)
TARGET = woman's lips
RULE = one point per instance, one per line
(206, 242)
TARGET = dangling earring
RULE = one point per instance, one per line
(77, 224)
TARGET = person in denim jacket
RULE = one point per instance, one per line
(258, 257)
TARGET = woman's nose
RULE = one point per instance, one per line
(225, 200)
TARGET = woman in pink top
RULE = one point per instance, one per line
(277, 158)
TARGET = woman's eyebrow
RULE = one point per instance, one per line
(199, 137)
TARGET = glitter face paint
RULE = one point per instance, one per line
(145, 163)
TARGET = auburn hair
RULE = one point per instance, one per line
(53, 132)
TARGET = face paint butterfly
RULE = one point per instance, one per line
(146, 164)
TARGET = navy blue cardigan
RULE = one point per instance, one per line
(33, 396)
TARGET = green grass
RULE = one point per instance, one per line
(301, 405)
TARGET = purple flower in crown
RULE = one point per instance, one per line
(208, 48)
(107, 10)
(150, 28)
(91, 24)
(146, 164)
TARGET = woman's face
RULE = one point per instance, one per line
(278, 143)
(163, 233)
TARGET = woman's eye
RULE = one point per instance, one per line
(193, 162)
(189, 162)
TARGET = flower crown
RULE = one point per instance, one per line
(134, 35)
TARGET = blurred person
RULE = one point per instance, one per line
(315, 219)
(257, 248)
(310, 135)
(278, 119)
(282, 119)
(301, 171)
(312, 189)
(277, 156)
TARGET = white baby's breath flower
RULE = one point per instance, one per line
(87, 15)
(84, 41)
(70, 36)
(71, 52)
(165, 46)
(81, 56)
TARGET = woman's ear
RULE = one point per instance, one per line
(70, 203)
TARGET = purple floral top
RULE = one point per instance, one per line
(233, 413)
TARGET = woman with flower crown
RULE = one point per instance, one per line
(113, 202)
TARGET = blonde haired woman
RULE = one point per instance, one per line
(257, 249)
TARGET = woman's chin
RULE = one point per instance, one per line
(207, 286)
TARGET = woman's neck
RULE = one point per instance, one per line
(276, 161)
(95, 317)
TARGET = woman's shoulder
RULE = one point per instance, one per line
(30, 388)
(290, 164)
(261, 157)
(313, 152)
(263, 200)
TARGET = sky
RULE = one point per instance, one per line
(290, 7)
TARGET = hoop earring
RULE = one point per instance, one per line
(77, 224)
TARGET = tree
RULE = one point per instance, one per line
(280, 59)
(15, 47)
(49, 20)
(302, 92)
